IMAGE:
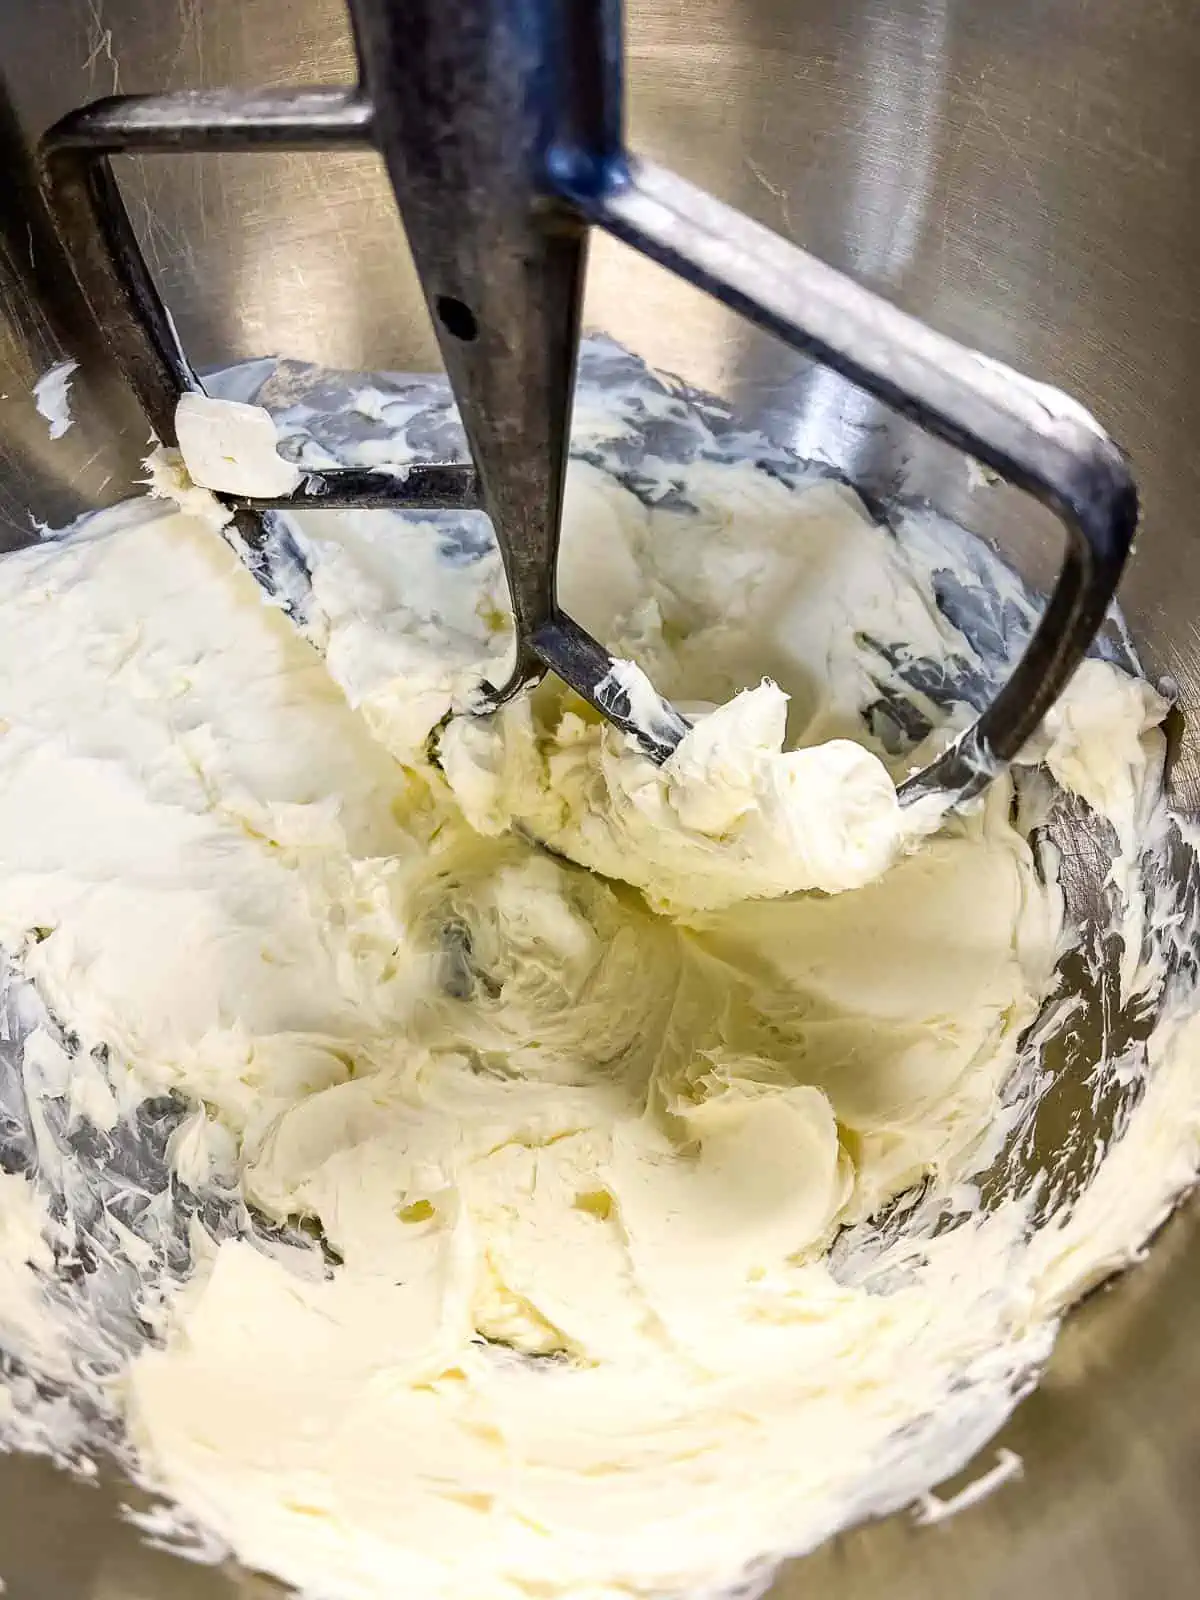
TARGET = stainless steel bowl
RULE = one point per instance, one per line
(1021, 174)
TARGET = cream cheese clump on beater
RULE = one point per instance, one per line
(731, 815)
(535, 1232)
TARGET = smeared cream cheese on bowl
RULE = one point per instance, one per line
(469, 1218)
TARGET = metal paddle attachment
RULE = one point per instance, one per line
(500, 123)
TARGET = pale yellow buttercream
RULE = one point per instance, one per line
(576, 1164)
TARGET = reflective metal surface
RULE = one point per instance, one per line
(1022, 175)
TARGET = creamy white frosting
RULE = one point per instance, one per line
(730, 816)
(52, 396)
(575, 1327)
(231, 447)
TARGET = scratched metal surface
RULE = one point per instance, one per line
(1023, 175)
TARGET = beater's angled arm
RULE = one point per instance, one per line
(92, 218)
(1031, 435)
(94, 224)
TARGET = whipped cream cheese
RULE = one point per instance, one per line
(230, 446)
(536, 1234)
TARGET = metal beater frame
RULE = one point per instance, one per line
(500, 122)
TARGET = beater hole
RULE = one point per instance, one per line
(457, 318)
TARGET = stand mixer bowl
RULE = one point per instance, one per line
(1019, 176)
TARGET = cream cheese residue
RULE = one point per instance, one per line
(52, 396)
(231, 447)
(535, 1222)
(730, 816)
